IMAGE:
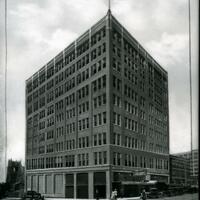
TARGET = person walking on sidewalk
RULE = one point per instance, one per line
(143, 195)
(114, 195)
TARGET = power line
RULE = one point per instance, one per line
(190, 80)
(190, 70)
(6, 56)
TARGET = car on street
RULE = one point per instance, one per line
(154, 193)
(32, 195)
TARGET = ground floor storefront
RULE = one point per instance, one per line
(85, 183)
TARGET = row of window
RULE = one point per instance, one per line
(98, 66)
(117, 100)
(82, 76)
(59, 146)
(70, 128)
(98, 51)
(135, 143)
(82, 93)
(99, 139)
(60, 117)
(50, 110)
(99, 119)
(100, 158)
(139, 161)
(50, 121)
(130, 93)
(116, 65)
(99, 83)
(98, 36)
(83, 159)
(117, 83)
(117, 119)
(131, 108)
(68, 58)
(84, 107)
(70, 113)
(99, 100)
(130, 76)
(59, 132)
(83, 142)
(131, 124)
(70, 83)
(83, 124)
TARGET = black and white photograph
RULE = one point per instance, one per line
(99, 99)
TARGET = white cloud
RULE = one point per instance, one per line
(171, 49)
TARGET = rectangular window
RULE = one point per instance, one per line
(104, 138)
(95, 140)
(99, 135)
(104, 157)
(104, 117)
(95, 158)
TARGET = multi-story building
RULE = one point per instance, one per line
(194, 164)
(179, 170)
(97, 115)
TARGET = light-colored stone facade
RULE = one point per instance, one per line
(96, 112)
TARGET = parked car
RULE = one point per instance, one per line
(32, 195)
(168, 193)
(154, 193)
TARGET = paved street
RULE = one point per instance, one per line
(181, 197)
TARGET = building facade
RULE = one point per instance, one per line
(96, 116)
(179, 171)
(194, 164)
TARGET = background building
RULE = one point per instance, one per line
(179, 170)
(97, 116)
(15, 178)
(194, 164)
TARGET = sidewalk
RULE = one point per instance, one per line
(130, 198)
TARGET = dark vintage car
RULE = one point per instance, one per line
(154, 193)
(32, 195)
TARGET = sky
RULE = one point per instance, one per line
(39, 30)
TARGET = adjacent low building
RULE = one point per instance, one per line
(179, 171)
(97, 116)
(193, 158)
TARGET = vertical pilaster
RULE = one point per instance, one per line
(37, 183)
(64, 184)
(91, 185)
(108, 184)
(75, 186)
(53, 183)
(109, 97)
(44, 185)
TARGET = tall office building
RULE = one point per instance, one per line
(97, 116)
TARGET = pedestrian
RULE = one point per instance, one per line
(114, 195)
(97, 194)
(143, 195)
